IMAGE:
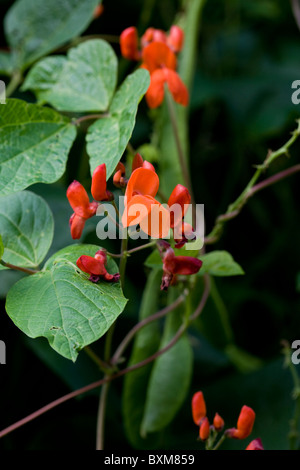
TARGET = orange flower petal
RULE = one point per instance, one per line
(177, 88)
(156, 91)
(157, 55)
(76, 226)
(180, 196)
(98, 188)
(176, 38)
(90, 265)
(129, 44)
(142, 181)
(78, 199)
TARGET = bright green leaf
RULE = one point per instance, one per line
(62, 305)
(34, 145)
(170, 378)
(26, 224)
(145, 344)
(34, 28)
(108, 137)
(84, 81)
(220, 263)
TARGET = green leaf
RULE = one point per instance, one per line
(108, 137)
(6, 65)
(62, 305)
(34, 28)
(220, 263)
(34, 145)
(145, 344)
(84, 81)
(27, 226)
(1, 248)
(170, 378)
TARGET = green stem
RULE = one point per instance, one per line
(220, 442)
(89, 117)
(15, 81)
(107, 354)
(181, 156)
(222, 311)
(103, 366)
(123, 261)
(101, 416)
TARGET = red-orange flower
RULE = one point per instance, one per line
(198, 407)
(82, 207)
(218, 422)
(96, 267)
(155, 93)
(118, 178)
(256, 444)
(204, 429)
(244, 424)
(141, 207)
(129, 44)
(176, 38)
(152, 34)
(138, 162)
(158, 57)
(173, 265)
(98, 189)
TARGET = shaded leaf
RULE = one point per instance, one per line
(34, 144)
(34, 28)
(220, 263)
(84, 81)
(27, 227)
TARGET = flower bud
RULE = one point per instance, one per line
(204, 429)
(198, 407)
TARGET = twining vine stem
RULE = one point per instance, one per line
(234, 209)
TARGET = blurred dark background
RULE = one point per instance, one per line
(248, 57)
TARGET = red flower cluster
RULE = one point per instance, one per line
(96, 267)
(157, 53)
(242, 431)
(80, 203)
(200, 418)
(141, 207)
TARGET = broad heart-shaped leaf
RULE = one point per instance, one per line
(146, 343)
(170, 377)
(84, 81)
(1, 248)
(220, 263)
(26, 225)
(108, 137)
(62, 305)
(34, 145)
(34, 28)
